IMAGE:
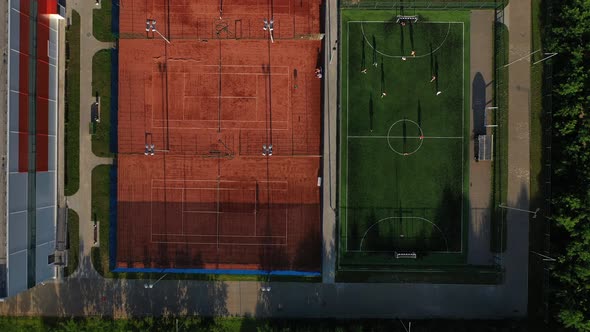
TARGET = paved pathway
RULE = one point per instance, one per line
(86, 294)
(81, 201)
(518, 20)
(330, 143)
(480, 178)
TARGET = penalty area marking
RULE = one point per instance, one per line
(389, 218)
(400, 56)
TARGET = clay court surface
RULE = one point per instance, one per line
(208, 198)
(189, 19)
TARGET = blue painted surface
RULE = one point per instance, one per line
(115, 17)
(114, 136)
(220, 271)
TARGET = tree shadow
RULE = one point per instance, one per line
(447, 216)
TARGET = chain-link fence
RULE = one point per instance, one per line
(500, 161)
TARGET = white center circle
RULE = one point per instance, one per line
(389, 138)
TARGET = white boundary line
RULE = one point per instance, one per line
(463, 147)
(399, 56)
(217, 212)
(419, 218)
(347, 124)
(454, 137)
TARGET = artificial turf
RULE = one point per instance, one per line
(404, 154)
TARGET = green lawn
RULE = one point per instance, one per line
(72, 110)
(100, 209)
(404, 158)
(74, 242)
(101, 22)
(500, 163)
(101, 83)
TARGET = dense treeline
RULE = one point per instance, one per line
(570, 36)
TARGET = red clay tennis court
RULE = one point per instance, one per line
(208, 198)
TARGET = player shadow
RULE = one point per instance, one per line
(371, 112)
(374, 51)
(402, 41)
(436, 75)
(382, 77)
(411, 28)
(419, 117)
(363, 55)
(431, 61)
(404, 136)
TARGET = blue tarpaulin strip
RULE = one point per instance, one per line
(220, 271)
(113, 217)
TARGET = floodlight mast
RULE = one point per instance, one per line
(152, 284)
(534, 213)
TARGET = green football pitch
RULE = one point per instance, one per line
(404, 134)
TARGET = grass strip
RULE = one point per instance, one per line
(101, 22)
(101, 85)
(72, 107)
(100, 212)
(73, 242)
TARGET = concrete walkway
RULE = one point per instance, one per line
(480, 173)
(81, 201)
(331, 92)
(518, 20)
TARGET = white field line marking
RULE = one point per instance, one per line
(347, 112)
(463, 133)
(399, 56)
(360, 137)
(418, 218)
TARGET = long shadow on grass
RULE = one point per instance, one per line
(374, 51)
(371, 112)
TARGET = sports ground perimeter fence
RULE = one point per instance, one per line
(500, 157)
(435, 4)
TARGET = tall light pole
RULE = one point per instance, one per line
(150, 25)
(534, 213)
(151, 285)
(544, 257)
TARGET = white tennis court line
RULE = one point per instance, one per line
(217, 212)
(347, 124)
